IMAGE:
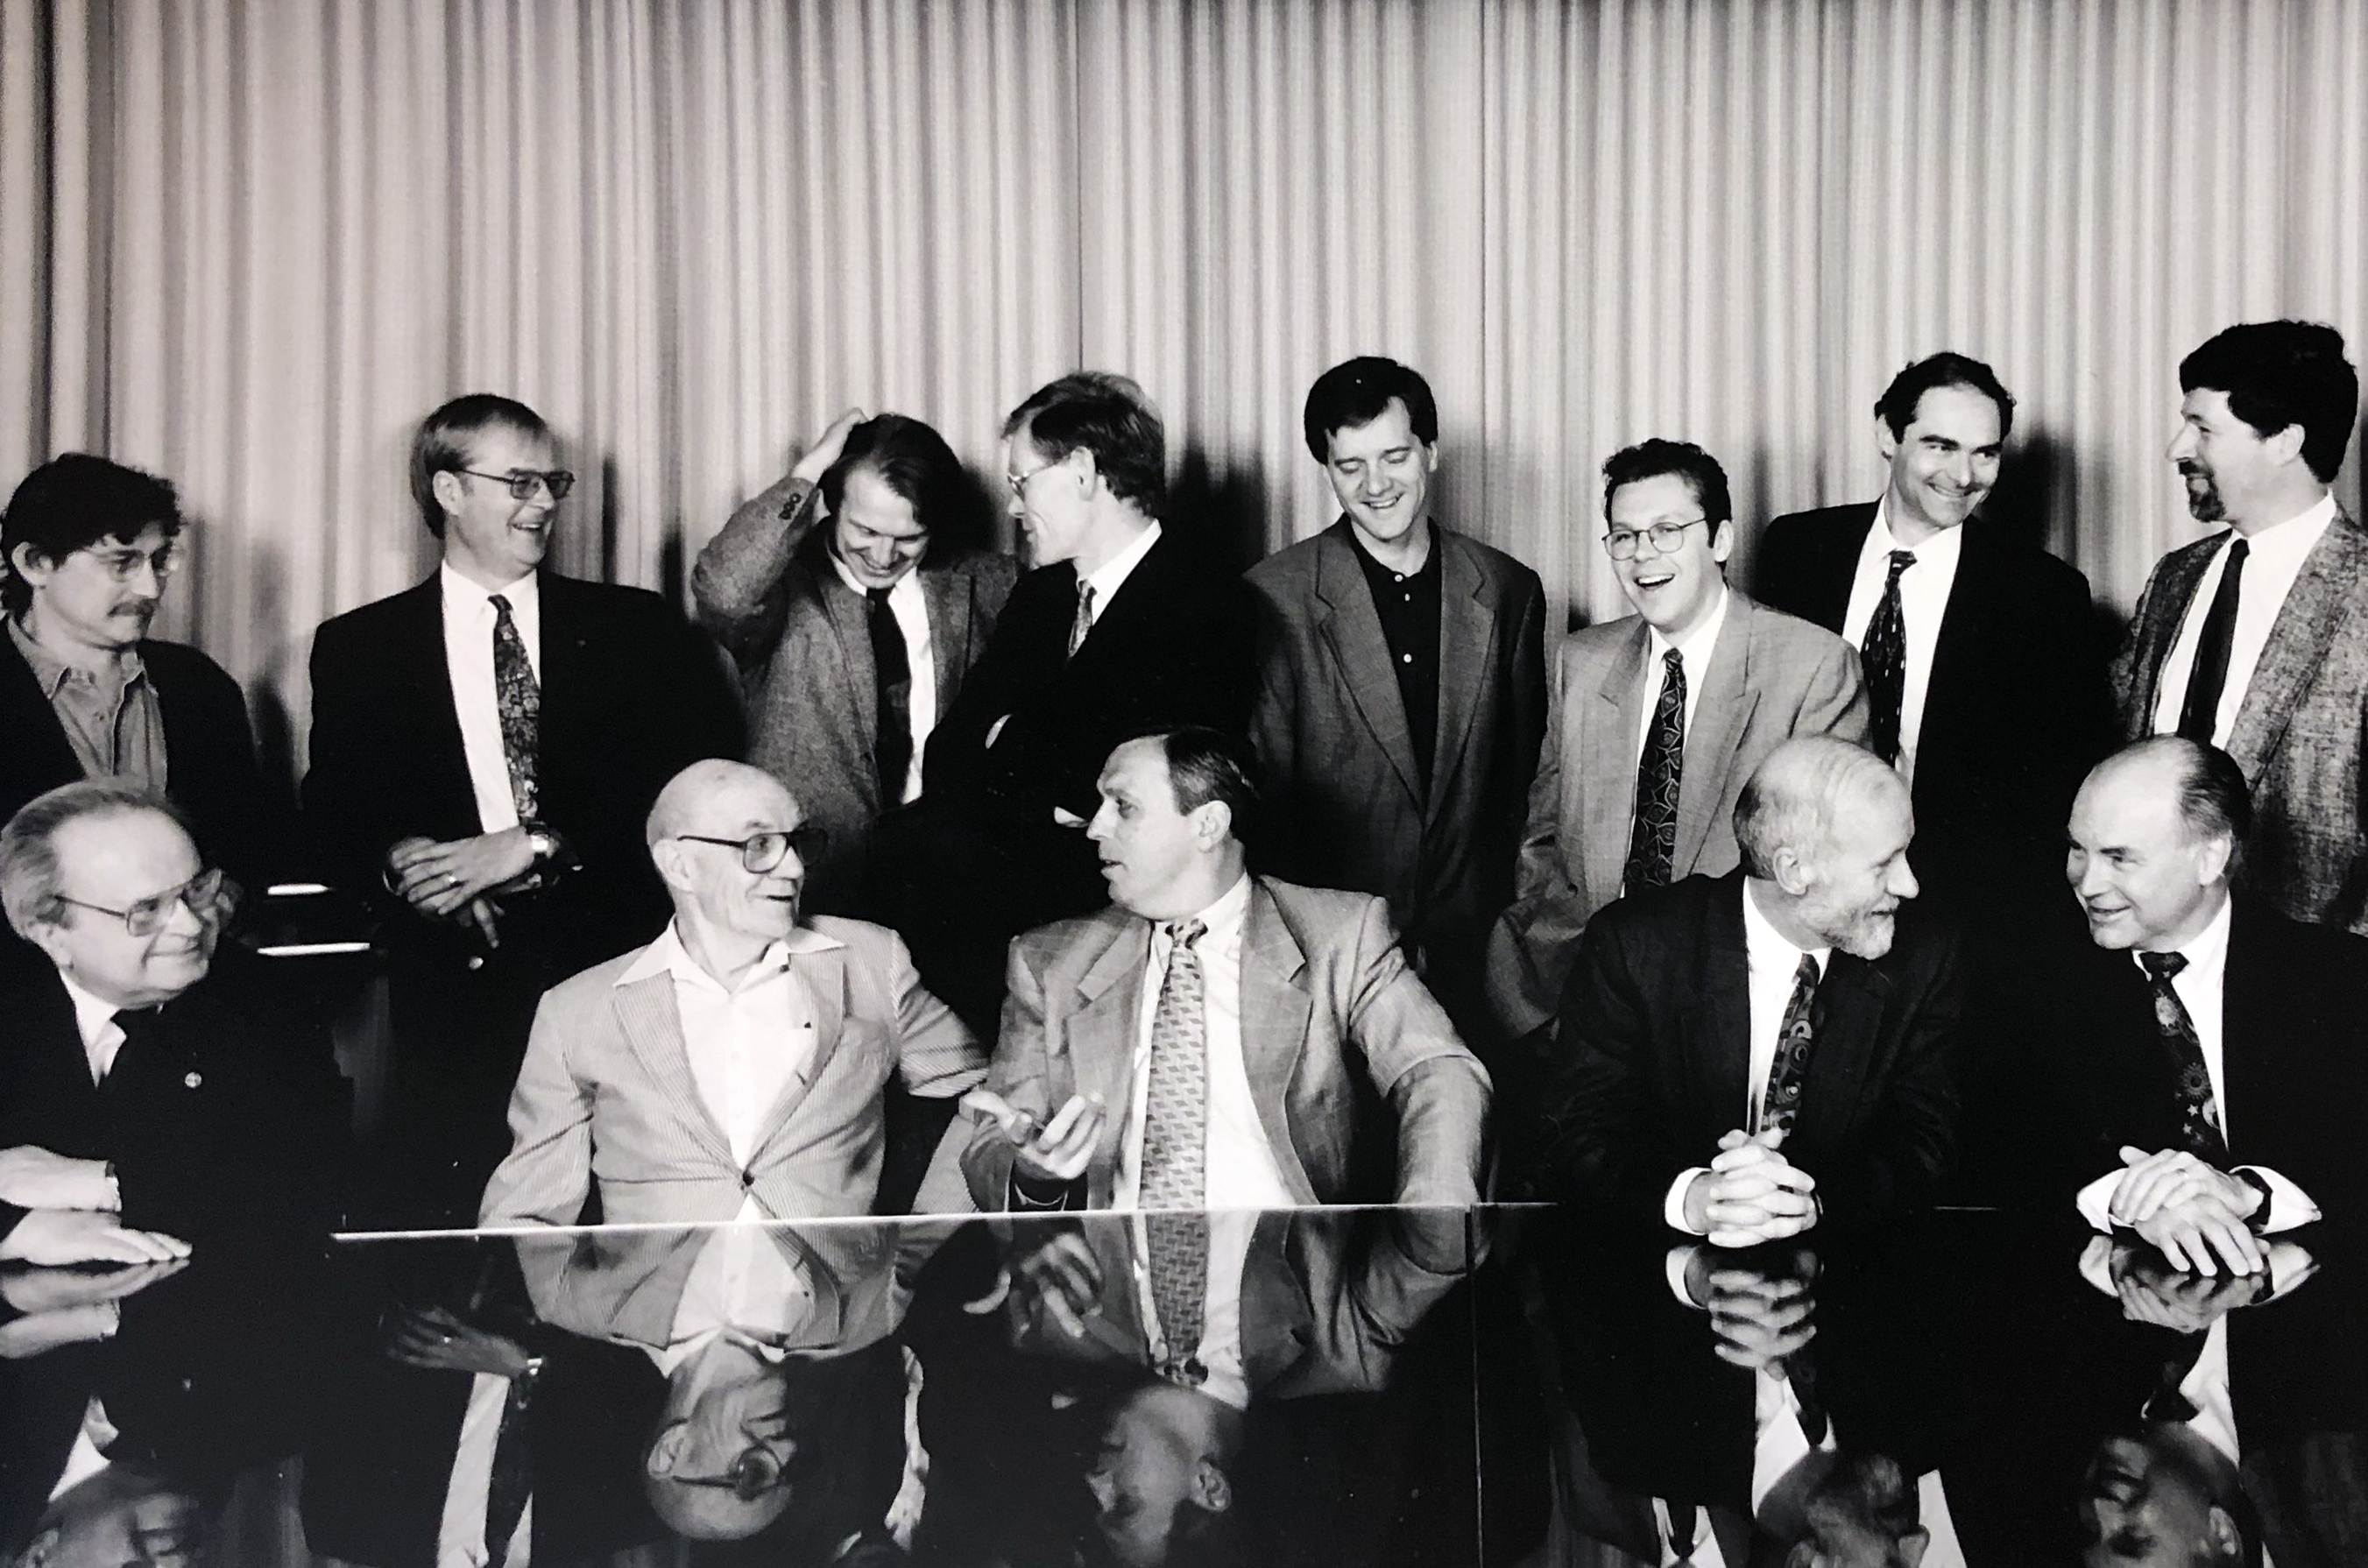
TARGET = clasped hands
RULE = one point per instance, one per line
(460, 880)
(2189, 1212)
(1760, 1315)
(75, 1213)
(71, 1306)
(2151, 1293)
(1751, 1194)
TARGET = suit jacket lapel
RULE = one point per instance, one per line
(1352, 630)
(1957, 647)
(1720, 717)
(653, 1030)
(1722, 1035)
(946, 594)
(1275, 1004)
(1101, 1036)
(823, 974)
(446, 757)
(1608, 729)
(2166, 610)
(1467, 627)
(848, 614)
(2320, 598)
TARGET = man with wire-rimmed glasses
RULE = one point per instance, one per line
(735, 1067)
(148, 1097)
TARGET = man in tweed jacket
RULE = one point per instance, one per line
(2256, 639)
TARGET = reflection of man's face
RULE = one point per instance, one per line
(119, 1518)
(1156, 1458)
(2144, 1502)
(719, 1464)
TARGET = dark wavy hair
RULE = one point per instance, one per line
(2278, 373)
(73, 501)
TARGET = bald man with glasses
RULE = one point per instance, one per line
(736, 1068)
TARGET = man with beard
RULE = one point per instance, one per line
(2256, 639)
(1747, 1056)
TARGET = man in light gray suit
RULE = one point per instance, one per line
(1654, 720)
(1402, 685)
(735, 1067)
(853, 640)
(2256, 639)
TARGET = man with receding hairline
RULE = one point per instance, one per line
(1747, 1056)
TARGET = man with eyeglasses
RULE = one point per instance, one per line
(1654, 722)
(84, 691)
(735, 1067)
(485, 747)
(149, 1097)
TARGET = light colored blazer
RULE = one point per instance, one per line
(802, 640)
(1327, 1003)
(2297, 734)
(606, 1094)
(1771, 678)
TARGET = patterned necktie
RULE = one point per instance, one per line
(1788, 1074)
(1884, 656)
(2199, 1112)
(1175, 1148)
(2199, 715)
(1083, 622)
(520, 701)
(1653, 832)
(891, 675)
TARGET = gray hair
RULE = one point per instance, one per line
(1790, 800)
(29, 877)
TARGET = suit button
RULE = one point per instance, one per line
(193, 1080)
(476, 960)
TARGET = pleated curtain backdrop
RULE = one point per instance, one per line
(247, 243)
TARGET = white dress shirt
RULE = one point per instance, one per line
(1923, 600)
(1772, 967)
(911, 609)
(2273, 559)
(102, 1036)
(1219, 1350)
(469, 1489)
(1242, 1172)
(1693, 655)
(469, 662)
(744, 1281)
(1116, 570)
(2200, 987)
(746, 1045)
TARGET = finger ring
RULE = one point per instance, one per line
(450, 880)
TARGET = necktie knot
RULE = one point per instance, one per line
(1806, 973)
(1901, 560)
(501, 606)
(1184, 933)
(877, 596)
(1673, 664)
(2161, 967)
(1084, 622)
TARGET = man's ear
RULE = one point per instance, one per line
(1884, 441)
(1210, 1487)
(1791, 873)
(445, 485)
(1212, 823)
(30, 564)
(50, 937)
(2286, 444)
(667, 855)
(2227, 1542)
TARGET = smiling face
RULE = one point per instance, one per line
(490, 536)
(114, 861)
(99, 599)
(874, 531)
(1674, 592)
(2228, 465)
(1381, 473)
(1943, 465)
(2144, 879)
(1859, 880)
(713, 891)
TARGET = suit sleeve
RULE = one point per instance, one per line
(736, 587)
(1544, 917)
(937, 1056)
(1274, 721)
(1020, 1074)
(1910, 1141)
(1526, 705)
(339, 795)
(1834, 701)
(1603, 1126)
(1435, 1086)
(547, 1172)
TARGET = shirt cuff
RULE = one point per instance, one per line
(2096, 1202)
(1673, 1269)
(2290, 1206)
(1673, 1208)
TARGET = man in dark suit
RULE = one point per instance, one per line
(2224, 1043)
(2256, 639)
(853, 638)
(1745, 1057)
(1125, 625)
(1402, 692)
(84, 692)
(145, 1101)
(1984, 678)
(485, 748)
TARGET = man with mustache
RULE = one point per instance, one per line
(2256, 639)
(84, 691)
(1745, 1057)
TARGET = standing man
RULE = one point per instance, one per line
(847, 598)
(485, 748)
(1402, 692)
(2256, 639)
(1985, 679)
(84, 692)
(1654, 720)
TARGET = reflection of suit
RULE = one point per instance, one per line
(2299, 730)
(1328, 1007)
(1655, 1048)
(767, 591)
(1771, 678)
(1351, 808)
(605, 1093)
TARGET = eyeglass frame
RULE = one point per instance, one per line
(807, 840)
(558, 481)
(1019, 481)
(123, 562)
(1637, 536)
(157, 907)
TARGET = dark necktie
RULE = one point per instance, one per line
(1176, 1150)
(2199, 1112)
(1884, 656)
(1795, 1038)
(520, 701)
(891, 675)
(2200, 714)
(1082, 622)
(2169, 1402)
(1653, 832)
(512, 1481)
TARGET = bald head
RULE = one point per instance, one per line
(723, 838)
(708, 788)
(1823, 828)
(2155, 834)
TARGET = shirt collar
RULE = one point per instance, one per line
(667, 956)
(2287, 542)
(1699, 642)
(92, 1014)
(1761, 938)
(459, 592)
(2207, 951)
(1373, 566)
(1938, 552)
(1221, 918)
(49, 672)
(1114, 571)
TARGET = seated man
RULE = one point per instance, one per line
(2223, 1040)
(1204, 1040)
(143, 1105)
(735, 1067)
(1745, 1055)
